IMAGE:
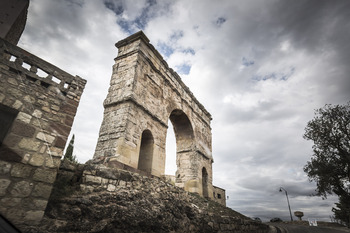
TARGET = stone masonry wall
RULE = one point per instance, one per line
(42, 100)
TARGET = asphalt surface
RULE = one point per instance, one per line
(288, 228)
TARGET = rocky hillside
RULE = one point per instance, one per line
(94, 198)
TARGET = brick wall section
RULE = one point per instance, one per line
(45, 99)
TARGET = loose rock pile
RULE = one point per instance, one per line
(94, 198)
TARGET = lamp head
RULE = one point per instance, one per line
(280, 189)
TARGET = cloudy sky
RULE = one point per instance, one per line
(260, 67)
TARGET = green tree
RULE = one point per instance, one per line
(342, 209)
(69, 151)
(330, 163)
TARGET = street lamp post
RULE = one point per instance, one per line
(290, 212)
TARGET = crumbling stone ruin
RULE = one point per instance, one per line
(38, 102)
(114, 200)
(144, 93)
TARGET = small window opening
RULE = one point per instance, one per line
(56, 80)
(26, 66)
(41, 73)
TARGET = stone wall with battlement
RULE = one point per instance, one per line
(38, 103)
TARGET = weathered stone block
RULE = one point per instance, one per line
(42, 190)
(21, 189)
(26, 158)
(10, 201)
(29, 99)
(12, 81)
(122, 183)
(29, 144)
(40, 204)
(69, 109)
(4, 183)
(37, 113)
(55, 151)
(55, 108)
(60, 142)
(86, 188)
(93, 179)
(26, 118)
(111, 188)
(104, 181)
(33, 217)
(46, 109)
(60, 129)
(21, 170)
(23, 129)
(5, 167)
(17, 105)
(69, 120)
(45, 175)
(15, 92)
(2, 97)
(15, 215)
(52, 162)
(37, 160)
(45, 137)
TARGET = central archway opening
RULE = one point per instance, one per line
(146, 152)
(183, 130)
(179, 145)
(170, 150)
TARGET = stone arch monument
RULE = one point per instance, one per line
(144, 94)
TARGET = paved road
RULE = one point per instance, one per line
(287, 228)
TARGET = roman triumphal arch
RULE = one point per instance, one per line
(144, 94)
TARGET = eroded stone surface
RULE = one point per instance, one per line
(144, 94)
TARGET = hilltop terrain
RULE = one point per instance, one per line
(94, 198)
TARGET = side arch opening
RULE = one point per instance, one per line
(146, 152)
(205, 182)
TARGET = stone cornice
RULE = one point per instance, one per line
(134, 101)
(141, 36)
(64, 81)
